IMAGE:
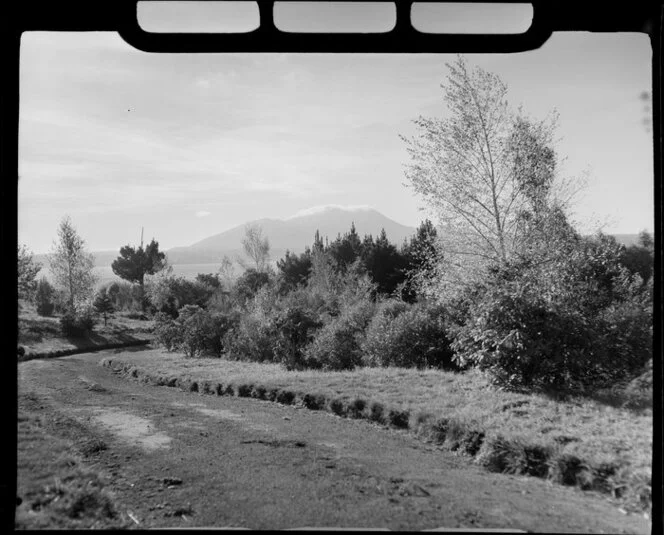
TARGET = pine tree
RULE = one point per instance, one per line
(103, 305)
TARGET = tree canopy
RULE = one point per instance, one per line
(27, 270)
(133, 264)
(488, 172)
(72, 266)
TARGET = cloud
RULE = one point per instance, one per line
(202, 213)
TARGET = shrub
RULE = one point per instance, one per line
(44, 296)
(168, 293)
(77, 325)
(336, 345)
(408, 336)
(249, 283)
(522, 341)
(103, 305)
(295, 328)
(123, 295)
(582, 322)
(195, 328)
(252, 338)
(168, 331)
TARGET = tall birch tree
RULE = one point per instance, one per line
(72, 266)
(487, 172)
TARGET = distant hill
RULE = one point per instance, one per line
(294, 233)
(627, 239)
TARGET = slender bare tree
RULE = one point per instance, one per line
(256, 246)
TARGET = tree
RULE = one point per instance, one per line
(421, 254)
(384, 263)
(256, 246)
(484, 170)
(44, 297)
(345, 250)
(640, 258)
(72, 266)
(133, 264)
(294, 269)
(103, 305)
(210, 279)
(27, 272)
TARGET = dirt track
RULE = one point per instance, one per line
(183, 460)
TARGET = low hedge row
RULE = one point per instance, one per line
(496, 453)
(22, 356)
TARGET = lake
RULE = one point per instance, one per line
(106, 275)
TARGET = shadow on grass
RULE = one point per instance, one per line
(618, 397)
(93, 339)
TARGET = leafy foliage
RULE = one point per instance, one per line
(337, 344)
(72, 266)
(44, 297)
(640, 259)
(134, 263)
(169, 293)
(295, 327)
(256, 247)
(103, 305)
(582, 321)
(124, 296)
(27, 270)
(294, 269)
(407, 336)
(77, 324)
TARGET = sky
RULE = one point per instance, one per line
(189, 145)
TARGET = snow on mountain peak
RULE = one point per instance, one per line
(328, 207)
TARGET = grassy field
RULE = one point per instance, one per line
(39, 335)
(578, 442)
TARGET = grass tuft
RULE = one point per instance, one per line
(314, 402)
(244, 391)
(377, 412)
(285, 397)
(258, 392)
(338, 407)
(399, 418)
(356, 408)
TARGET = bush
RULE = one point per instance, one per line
(77, 325)
(523, 341)
(337, 344)
(407, 336)
(168, 294)
(583, 323)
(44, 295)
(124, 296)
(295, 328)
(252, 338)
(194, 324)
(168, 332)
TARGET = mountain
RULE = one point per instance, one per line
(294, 233)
